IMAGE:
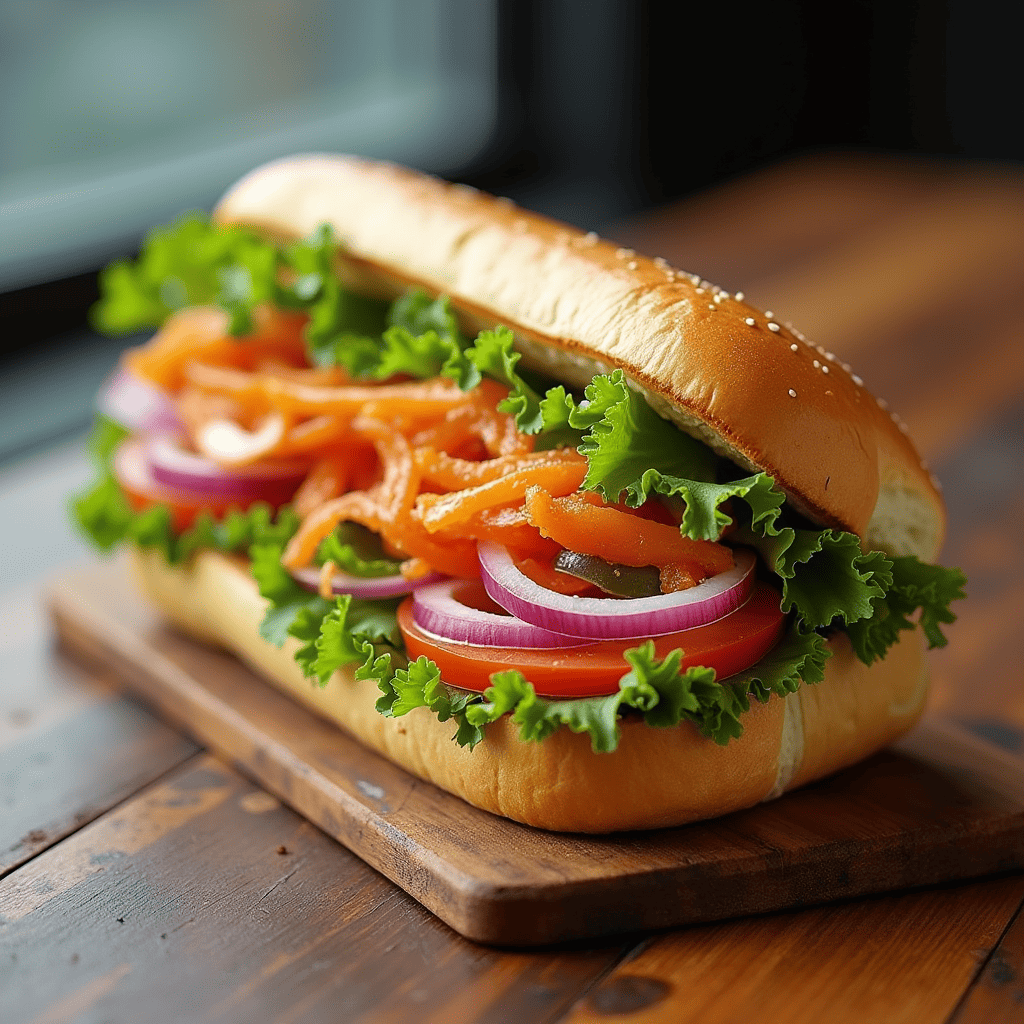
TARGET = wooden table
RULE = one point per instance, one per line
(144, 880)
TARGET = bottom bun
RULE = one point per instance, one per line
(656, 777)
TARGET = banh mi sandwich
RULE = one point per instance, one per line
(583, 539)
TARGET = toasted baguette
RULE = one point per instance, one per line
(723, 371)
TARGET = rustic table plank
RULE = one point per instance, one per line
(784, 218)
(203, 898)
(958, 244)
(980, 674)
(900, 959)
(998, 995)
(72, 744)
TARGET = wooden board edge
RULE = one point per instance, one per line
(514, 916)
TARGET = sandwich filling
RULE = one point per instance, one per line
(475, 539)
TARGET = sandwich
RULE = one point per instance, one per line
(581, 538)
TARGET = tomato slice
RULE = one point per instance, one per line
(728, 645)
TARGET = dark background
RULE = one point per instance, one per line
(607, 107)
(661, 100)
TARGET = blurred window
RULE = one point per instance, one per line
(116, 115)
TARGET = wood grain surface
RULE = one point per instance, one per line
(72, 744)
(998, 997)
(203, 897)
(899, 960)
(943, 806)
(913, 272)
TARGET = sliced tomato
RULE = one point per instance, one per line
(142, 491)
(728, 645)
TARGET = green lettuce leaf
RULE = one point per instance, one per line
(191, 262)
(493, 354)
(344, 328)
(627, 439)
(417, 313)
(825, 576)
(916, 586)
(331, 633)
(357, 551)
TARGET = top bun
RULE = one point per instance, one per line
(723, 371)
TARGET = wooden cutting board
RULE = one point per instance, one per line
(941, 806)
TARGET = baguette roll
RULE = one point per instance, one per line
(730, 375)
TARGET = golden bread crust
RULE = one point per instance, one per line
(721, 369)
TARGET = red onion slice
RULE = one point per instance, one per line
(609, 618)
(369, 587)
(136, 404)
(437, 610)
(274, 482)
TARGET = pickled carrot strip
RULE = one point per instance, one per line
(509, 527)
(327, 478)
(328, 376)
(401, 480)
(415, 568)
(313, 435)
(435, 396)
(443, 511)
(679, 576)
(452, 434)
(356, 506)
(578, 524)
(452, 557)
(200, 333)
(456, 558)
(453, 474)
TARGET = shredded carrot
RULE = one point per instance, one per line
(327, 571)
(578, 524)
(356, 506)
(313, 435)
(380, 453)
(200, 333)
(327, 478)
(328, 376)
(455, 557)
(433, 396)
(443, 511)
(416, 568)
(509, 527)
(453, 434)
(454, 474)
